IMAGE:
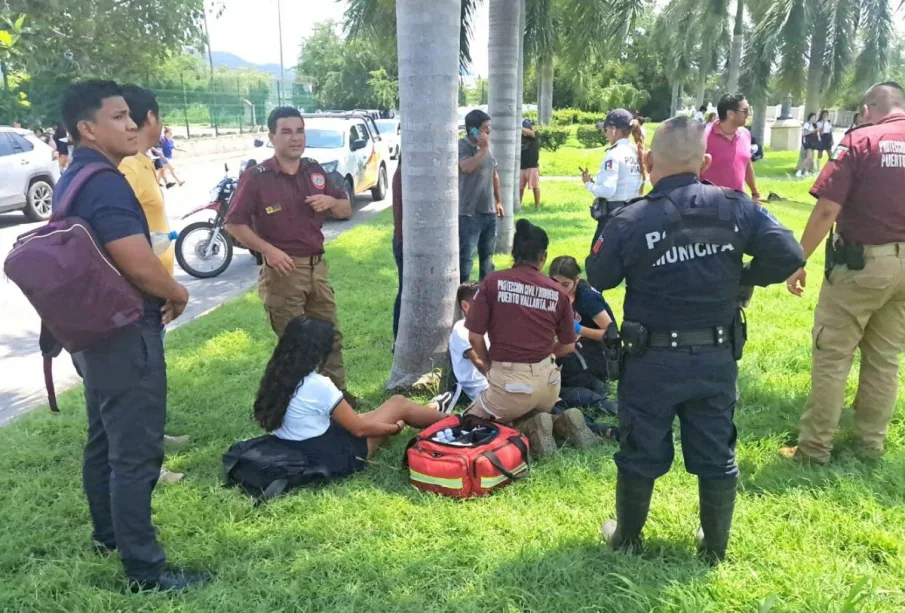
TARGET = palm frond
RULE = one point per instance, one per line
(466, 33)
(542, 26)
(842, 17)
(877, 29)
(792, 18)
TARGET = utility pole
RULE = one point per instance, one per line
(210, 61)
(280, 26)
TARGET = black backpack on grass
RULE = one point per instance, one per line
(266, 466)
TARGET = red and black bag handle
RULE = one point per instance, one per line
(523, 450)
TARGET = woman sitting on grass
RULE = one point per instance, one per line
(296, 403)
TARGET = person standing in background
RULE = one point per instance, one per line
(139, 172)
(729, 146)
(862, 301)
(699, 114)
(825, 131)
(530, 163)
(167, 146)
(61, 140)
(810, 142)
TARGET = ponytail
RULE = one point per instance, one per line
(638, 135)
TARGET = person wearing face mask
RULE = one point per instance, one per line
(680, 250)
(278, 210)
(621, 176)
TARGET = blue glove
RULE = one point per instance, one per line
(577, 328)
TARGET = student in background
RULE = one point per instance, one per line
(810, 142)
(295, 402)
(825, 131)
(167, 146)
(466, 365)
(530, 162)
(61, 140)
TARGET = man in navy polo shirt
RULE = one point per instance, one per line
(125, 378)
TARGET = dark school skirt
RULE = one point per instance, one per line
(826, 142)
(336, 450)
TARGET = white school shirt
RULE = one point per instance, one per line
(619, 178)
(310, 409)
(825, 127)
(471, 379)
(807, 127)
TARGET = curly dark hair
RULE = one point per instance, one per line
(302, 349)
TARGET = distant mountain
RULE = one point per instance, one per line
(225, 59)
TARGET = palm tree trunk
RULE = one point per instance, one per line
(428, 48)
(759, 120)
(674, 99)
(519, 100)
(503, 59)
(545, 92)
(704, 69)
(735, 50)
(814, 95)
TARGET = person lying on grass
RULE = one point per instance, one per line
(297, 403)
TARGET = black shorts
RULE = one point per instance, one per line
(826, 142)
(336, 450)
(157, 164)
(812, 144)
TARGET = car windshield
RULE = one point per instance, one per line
(386, 126)
(323, 139)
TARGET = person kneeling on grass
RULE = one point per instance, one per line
(297, 403)
(528, 320)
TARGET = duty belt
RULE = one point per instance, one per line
(717, 336)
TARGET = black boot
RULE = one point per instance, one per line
(717, 500)
(633, 496)
(171, 580)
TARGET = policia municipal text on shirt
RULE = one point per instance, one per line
(621, 176)
(680, 250)
(862, 300)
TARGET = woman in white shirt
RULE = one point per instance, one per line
(296, 403)
(810, 142)
(825, 131)
(622, 174)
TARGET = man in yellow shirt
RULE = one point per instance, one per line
(139, 172)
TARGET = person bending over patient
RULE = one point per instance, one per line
(297, 403)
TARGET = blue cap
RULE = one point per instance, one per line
(527, 123)
(617, 118)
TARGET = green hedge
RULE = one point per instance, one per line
(552, 137)
(567, 117)
(590, 137)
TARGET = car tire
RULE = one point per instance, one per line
(349, 188)
(380, 190)
(38, 200)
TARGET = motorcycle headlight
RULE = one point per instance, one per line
(215, 193)
(330, 166)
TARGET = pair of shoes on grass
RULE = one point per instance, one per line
(546, 432)
(794, 452)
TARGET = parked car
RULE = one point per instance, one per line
(350, 148)
(391, 131)
(28, 174)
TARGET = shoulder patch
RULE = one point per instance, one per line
(608, 165)
(597, 245)
(838, 152)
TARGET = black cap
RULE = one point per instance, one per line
(617, 118)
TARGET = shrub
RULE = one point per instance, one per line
(532, 115)
(568, 117)
(589, 137)
(552, 137)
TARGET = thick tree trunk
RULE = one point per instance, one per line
(674, 99)
(759, 120)
(545, 92)
(504, 136)
(735, 50)
(814, 95)
(703, 70)
(428, 46)
(519, 99)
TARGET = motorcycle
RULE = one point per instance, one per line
(204, 249)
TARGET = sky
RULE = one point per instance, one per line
(246, 25)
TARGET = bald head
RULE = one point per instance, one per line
(678, 147)
(883, 99)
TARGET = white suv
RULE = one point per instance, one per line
(28, 174)
(350, 148)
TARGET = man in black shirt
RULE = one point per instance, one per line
(530, 157)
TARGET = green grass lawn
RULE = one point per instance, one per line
(804, 540)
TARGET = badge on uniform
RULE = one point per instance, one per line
(276, 208)
(318, 180)
(838, 152)
(608, 165)
(597, 245)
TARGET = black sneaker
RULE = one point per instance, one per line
(102, 549)
(444, 402)
(169, 185)
(171, 580)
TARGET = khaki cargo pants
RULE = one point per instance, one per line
(304, 291)
(517, 389)
(857, 309)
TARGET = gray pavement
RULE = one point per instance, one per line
(21, 374)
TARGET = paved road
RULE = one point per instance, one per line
(21, 375)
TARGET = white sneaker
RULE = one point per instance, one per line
(798, 174)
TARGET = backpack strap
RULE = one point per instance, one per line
(61, 207)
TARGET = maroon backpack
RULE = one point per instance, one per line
(71, 282)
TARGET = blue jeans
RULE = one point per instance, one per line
(479, 231)
(397, 307)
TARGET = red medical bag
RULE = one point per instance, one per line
(482, 456)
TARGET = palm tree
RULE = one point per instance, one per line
(672, 30)
(428, 49)
(735, 49)
(505, 22)
(543, 27)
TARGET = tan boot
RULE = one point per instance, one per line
(177, 442)
(170, 477)
(539, 430)
(570, 429)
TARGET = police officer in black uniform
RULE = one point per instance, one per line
(680, 251)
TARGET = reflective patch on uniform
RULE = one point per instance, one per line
(608, 165)
(838, 152)
(319, 180)
(276, 208)
(598, 245)
(768, 214)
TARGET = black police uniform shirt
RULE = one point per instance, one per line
(110, 207)
(588, 304)
(691, 286)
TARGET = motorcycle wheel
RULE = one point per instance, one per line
(190, 248)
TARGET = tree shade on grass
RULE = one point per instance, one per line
(804, 540)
